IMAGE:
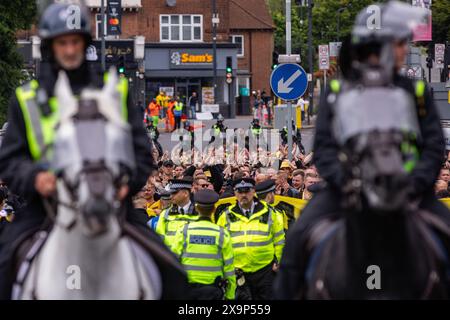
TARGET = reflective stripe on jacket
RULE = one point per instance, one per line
(257, 240)
(206, 252)
(170, 222)
(40, 127)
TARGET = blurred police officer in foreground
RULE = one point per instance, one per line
(33, 113)
(384, 48)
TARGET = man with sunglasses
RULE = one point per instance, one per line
(257, 233)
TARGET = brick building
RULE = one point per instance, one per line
(178, 49)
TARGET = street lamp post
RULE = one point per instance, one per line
(214, 26)
(310, 60)
(289, 52)
(102, 32)
(339, 12)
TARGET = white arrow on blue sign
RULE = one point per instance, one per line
(289, 81)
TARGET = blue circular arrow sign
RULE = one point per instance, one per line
(289, 81)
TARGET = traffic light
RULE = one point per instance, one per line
(229, 65)
(429, 62)
(121, 65)
(274, 60)
(430, 55)
(229, 70)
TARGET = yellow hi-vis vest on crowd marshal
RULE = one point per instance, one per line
(206, 253)
(257, 240)
(40, 128)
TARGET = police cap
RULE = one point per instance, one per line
(206, 198)
(265, 187)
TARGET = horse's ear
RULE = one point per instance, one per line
(64, 94)
(111, 83)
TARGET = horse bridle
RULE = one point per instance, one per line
(72, 205)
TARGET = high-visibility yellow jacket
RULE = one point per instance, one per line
(162, 100)
(170, 221)
(40, 128)
(282, 215)
(258, 240)
(206, 252)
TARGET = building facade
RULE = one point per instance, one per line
(179, 55)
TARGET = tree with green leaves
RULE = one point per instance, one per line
(325, 22)
(441, 20)
(14, 15)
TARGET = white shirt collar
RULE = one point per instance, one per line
(252, 208)
(186, 207)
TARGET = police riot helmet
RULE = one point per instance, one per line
(220, 118)
(376, 29)
(60, 19)
(380, 23)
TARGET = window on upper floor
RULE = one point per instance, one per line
(181, 28)
(239, 39)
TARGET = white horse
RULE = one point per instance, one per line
(86, 255)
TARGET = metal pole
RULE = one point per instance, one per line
(214, 11)
(310, 60)
(339, 26)
(102, 32)
(289, 52)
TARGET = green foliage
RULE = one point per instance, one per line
(325, 21)
(441, 21)
(14, 15)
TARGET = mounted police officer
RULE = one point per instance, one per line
(372, 56)
(206, 252)
(33, 114)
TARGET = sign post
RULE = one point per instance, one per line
(439, 55)
(289, 82)
(324, 62)
(289, 52)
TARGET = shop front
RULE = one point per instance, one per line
(181, 69)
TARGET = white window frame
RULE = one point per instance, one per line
(169, 25)
(98, 24)
(233, 37)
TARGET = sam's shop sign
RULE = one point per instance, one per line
(191, 59)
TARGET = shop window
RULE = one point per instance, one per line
(239, 40)
(242, 86)
(181, 28)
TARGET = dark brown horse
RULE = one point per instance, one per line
(382, 246)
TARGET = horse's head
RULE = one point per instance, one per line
(377, 129)
(93, 155)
